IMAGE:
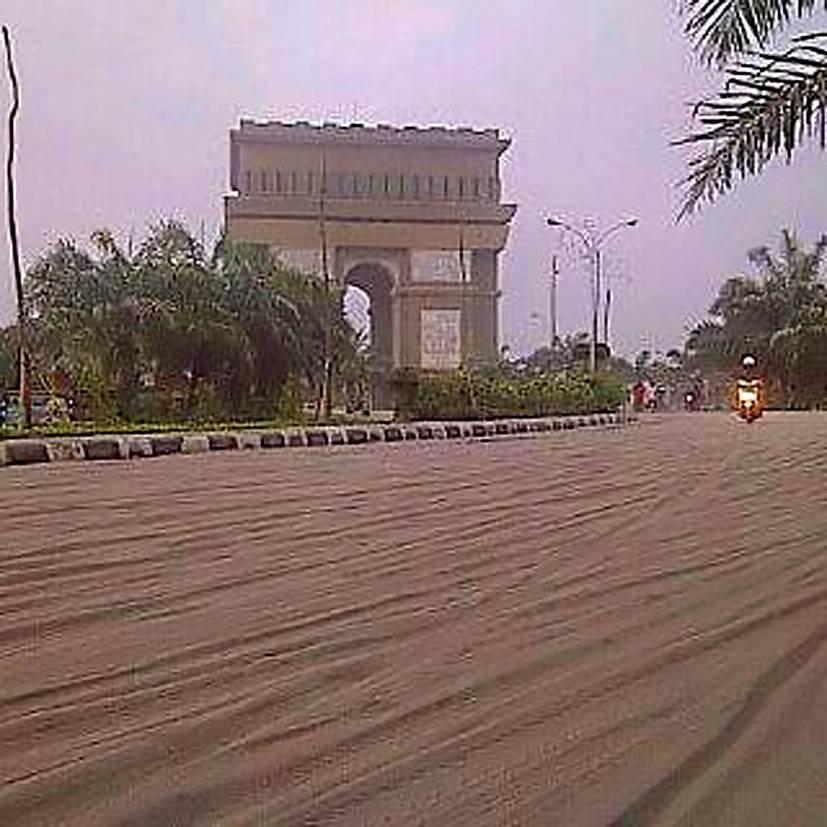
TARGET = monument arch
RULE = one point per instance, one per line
(411, 216)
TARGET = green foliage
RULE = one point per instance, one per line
(771, 101)
(465, 395)
(721, 29)
(171, 332)
(570, 353)
(8, 359)
(779, 316)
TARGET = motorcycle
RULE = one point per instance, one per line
(748, 401)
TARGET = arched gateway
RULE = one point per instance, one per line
(410, 216)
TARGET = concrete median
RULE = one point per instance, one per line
(24, 452)
(223, 442)
(356, 436)
(164, 445)
(111, 447)
(105, 448)
(195, 444)
(316, 438)
(274, 439)
(139, 446)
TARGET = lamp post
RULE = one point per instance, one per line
(552, 310)
(593, 244)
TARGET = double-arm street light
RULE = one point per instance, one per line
(593, 243)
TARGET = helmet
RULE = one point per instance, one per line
(748, 361)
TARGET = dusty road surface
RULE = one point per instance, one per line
(591, 628)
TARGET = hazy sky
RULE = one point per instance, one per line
(127, 106)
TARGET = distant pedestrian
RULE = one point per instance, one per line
(638, 395)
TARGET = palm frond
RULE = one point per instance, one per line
(723, 29)
(771, 103)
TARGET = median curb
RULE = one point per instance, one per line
(108, 447)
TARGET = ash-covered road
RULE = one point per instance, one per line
(609, 626)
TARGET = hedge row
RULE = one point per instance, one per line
(465, 395)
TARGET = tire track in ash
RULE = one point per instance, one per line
(646, 808)
(500, 597)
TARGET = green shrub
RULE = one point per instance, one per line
(464, 395)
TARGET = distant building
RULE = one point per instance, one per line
(411, 216)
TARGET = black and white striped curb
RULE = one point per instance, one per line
(121, 447)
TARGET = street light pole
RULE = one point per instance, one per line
(555, 270)
(593, 245)
(595, 310)
(607, 308)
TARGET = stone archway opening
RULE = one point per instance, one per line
(369, 304)
(356, 379)
(357, 311)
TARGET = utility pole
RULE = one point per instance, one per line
(327, 359)
(464, 322)
(607, 308)
(593, 244)
(23, 360)
(595, 309)
(552, 298)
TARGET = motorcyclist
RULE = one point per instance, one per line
(748, 380)
(694, 396)
(690, 400)
(748, 368)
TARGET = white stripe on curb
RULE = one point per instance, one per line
(195, 444)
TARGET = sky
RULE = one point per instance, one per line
(127, 107)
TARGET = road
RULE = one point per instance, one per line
(601, 627)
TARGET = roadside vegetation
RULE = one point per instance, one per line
(172, 333)
(166, 335)
(495, 394)
(169, 336)
(779, 315)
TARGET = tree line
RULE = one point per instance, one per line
(170, 330)
(779, 315)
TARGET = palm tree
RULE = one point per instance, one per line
(83, 314)
(771, 101)
(780, 316)
(791, 280)
(251, 285)
(171, 330)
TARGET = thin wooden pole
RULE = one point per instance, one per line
(25, 385)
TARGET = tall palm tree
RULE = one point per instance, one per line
(792, 285)
(772, 100)
(780, 316)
